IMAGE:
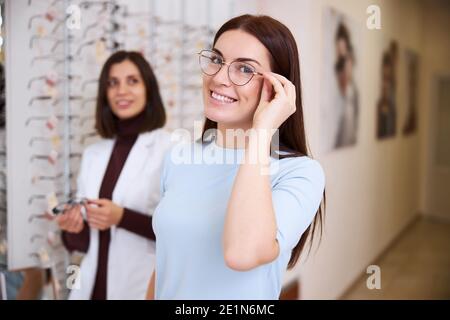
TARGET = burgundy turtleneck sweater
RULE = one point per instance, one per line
(141, 224)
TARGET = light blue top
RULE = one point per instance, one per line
(189, 222)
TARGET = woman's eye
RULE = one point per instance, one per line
(132, 81)
(245, 69)
(112, 83)
(216, 60)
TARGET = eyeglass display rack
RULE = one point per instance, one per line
(2, 147)
(54, 54)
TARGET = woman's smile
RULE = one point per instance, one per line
(217, 98)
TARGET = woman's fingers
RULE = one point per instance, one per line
(284, 81)
(98, 202)
(96, 221)
(288, 86)
(93, 223)
(77, 221)
(63, 221)
(78, 225)
(72, 216)
(97, 213)
(277, 85)
(289, 91)
(94, 209)
(97, 217)
(71, 220)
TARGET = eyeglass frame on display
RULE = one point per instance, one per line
(113, 45)
(47, 78)
(41, 197)
(57, 176)
(47, 118)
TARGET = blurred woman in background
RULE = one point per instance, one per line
(120, 177)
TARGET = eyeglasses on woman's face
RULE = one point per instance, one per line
(240, 73)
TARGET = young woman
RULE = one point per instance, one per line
(229, 230)
(120, 178)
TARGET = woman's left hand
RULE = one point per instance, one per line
(103, 213)
(271, 113)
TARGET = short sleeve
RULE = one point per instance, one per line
(296, 197)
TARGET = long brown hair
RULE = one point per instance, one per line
(284, 60)
(155, 116)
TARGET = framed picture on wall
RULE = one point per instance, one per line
(411, 78)
(340, 105)
(386, 105)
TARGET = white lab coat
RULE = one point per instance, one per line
(131, 259)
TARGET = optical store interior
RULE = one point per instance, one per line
(372, 107)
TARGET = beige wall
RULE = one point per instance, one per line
(373, 189)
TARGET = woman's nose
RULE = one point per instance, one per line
(122, 88)
(221, 77)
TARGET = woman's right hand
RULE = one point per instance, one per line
(71, 220)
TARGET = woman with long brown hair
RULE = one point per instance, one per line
(119, 178)
(237, 207)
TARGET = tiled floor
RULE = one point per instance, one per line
(417, 266)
